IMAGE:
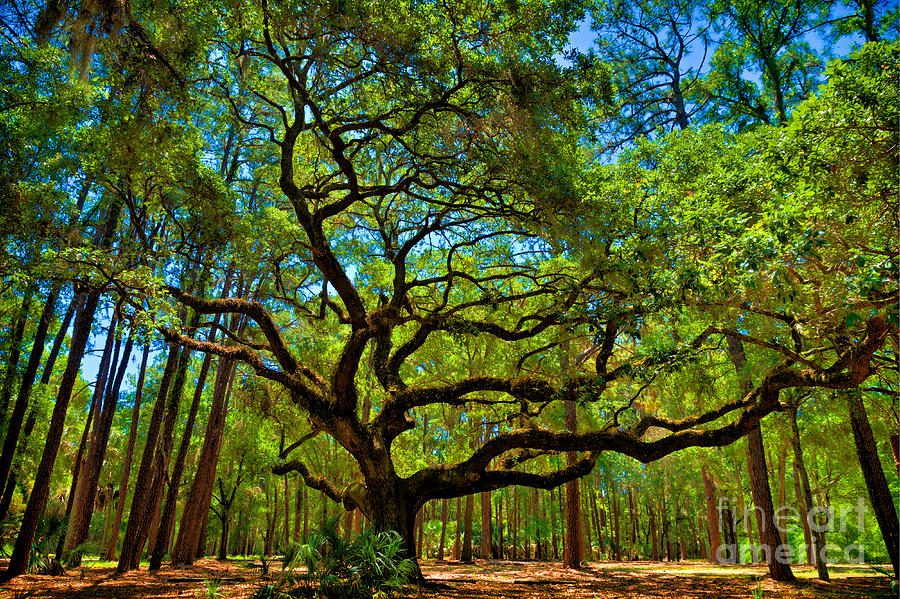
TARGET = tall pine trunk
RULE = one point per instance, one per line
(15, 349)
(88, 481)
(712, 517)
(167, 521)
(876, 484)
(443, 538)
(199, 498)
(817, 536)
(466, 552)
(14, 428)
(769, 537)
(486, 532)
(573, 545)
(112, 543)
(140, 515)
(40, 492)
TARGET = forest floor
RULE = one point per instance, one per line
(493, 579)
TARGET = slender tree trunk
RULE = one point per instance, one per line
(573, 548)
(223, 542)
(75, 502)
(167, 522)
(782, 486)
(77, 466)
(654, 542)
(895, 451)
(618, 545)
(305, 513)
(40, 493)
(75, 306)
(348, 520)
(112, 545)
(11, 481)
(440, 554)
(140, 516)
(466, 553)
(420, 532)
(500, 541)
(762, 498)
(879, 493)
(200, 496)
(515, 523)
(86, 491)
(15, 349)
(759, 476)
(804, 516)
(712, 517)
(586, 524)
(11, 439)
(554, 512)
(201, 550)
(598, 524)
(298, 515)
(486, 533)
(818, 537)
(456, 539)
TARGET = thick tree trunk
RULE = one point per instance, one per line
(818, 537)
(879, 493)
(112, 545)
(40, 493)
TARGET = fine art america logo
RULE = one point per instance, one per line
(819, 519)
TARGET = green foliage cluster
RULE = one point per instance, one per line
(370, 564)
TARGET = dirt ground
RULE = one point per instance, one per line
(495, 580)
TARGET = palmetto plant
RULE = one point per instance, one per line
(367, 565)
(50, 529)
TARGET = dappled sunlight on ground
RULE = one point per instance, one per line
(492, 579)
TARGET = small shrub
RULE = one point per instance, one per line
(368, 565)
(212, 588)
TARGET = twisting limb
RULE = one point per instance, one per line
(320, 483)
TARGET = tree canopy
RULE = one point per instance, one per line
(401, 224)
